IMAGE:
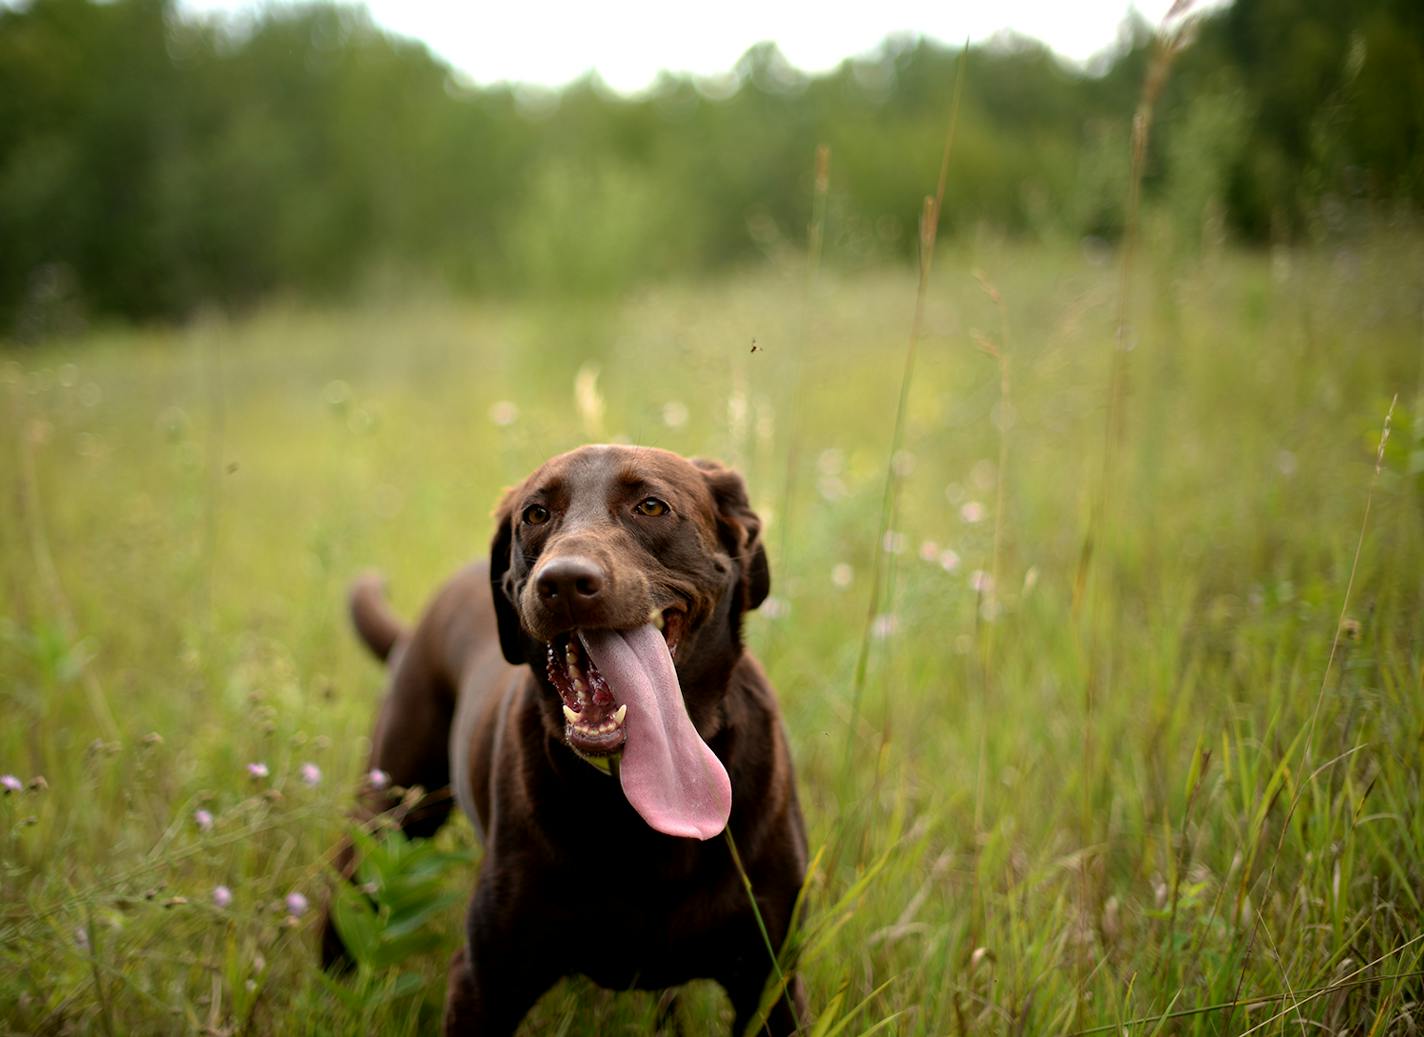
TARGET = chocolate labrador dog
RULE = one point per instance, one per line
(587, 700)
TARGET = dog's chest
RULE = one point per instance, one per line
(649, 931)
(647, 951)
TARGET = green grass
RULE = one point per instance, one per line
(1056, 817)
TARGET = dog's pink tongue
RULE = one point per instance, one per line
(669, 774)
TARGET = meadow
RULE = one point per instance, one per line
(1138, 741)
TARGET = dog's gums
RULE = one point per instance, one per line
(593, 714)
(594, 719)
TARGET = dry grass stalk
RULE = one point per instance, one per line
(881, 576)
(1168, 45)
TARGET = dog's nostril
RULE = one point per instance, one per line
(569, 578)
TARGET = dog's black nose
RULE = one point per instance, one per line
(571, 579)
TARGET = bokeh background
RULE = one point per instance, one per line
(157, 162)
(1094, 500)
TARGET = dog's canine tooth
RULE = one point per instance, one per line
(620, 713)
(655, 617)
(569, 714)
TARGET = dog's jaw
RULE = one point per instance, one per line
(593, 719)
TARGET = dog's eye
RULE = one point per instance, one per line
(652, 507)
(536, 515)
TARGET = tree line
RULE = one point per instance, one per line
(153, 162)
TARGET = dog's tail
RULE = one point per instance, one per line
(374, 620)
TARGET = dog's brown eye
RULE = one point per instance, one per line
(536, 515)
(651, 506)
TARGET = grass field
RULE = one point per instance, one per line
(1139, 789)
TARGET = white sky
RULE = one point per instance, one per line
(627, 42)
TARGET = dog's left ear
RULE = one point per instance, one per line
(511, 637)
(740, 529)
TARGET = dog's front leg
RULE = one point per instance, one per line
(504, 966)
(749, 968)
(745, 990)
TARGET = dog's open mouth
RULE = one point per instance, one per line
(594, 715)
(621, 695)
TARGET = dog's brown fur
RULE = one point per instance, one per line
(573, 880)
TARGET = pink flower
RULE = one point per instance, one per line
(222, 896)
(203, 819)
(257, 770)
(929, 551)
(377, 778)
(674, 414)
(10, 783)
(504, 412)
(311, 775)
(949, 559)
(296, 904)
(884, 626)
(842, 575)
(972, 511)
(774, 607)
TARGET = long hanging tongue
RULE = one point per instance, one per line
(669, 774)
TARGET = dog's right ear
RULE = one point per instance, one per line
(511, 637)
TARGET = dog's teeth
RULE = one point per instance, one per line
(582, 700)
(569, 714)
(619, 714)
(571, 658)
(655, 617)
(580, 686)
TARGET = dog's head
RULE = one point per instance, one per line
(621, 574)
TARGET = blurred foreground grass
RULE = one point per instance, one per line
(1044, 818)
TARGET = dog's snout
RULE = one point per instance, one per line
(572, 580)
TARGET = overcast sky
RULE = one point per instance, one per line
(627, 42)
